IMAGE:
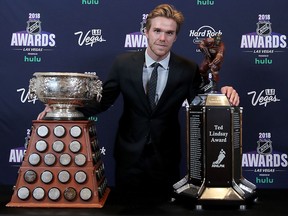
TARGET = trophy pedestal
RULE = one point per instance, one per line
(214, 143)
(62, 167)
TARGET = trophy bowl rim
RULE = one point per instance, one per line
(69, 74)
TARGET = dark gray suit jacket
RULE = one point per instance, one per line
(138, 122)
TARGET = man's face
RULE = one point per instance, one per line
(161, 37)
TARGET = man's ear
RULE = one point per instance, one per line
(145, 32)
(175, 38)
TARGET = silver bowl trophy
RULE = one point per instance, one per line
(63, 147)
(214, 140)
(64, 92)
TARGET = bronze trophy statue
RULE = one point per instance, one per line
(213, 49)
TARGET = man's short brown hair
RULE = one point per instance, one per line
(168, 11)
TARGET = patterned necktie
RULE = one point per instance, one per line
(152, 85)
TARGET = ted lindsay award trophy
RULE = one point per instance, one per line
(62, 166)
(214, 139)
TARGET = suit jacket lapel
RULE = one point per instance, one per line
(137, 77)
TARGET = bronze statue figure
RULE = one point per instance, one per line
(213, 49)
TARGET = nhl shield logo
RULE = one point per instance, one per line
(33, 26)
(143, 26)
(264, 28)
(264, 146)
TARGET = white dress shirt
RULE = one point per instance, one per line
(163, 71)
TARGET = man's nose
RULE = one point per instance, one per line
(162, 36)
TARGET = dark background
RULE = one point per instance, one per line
(243, 68)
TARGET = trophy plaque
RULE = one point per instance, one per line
(62, 166)
(214, 141)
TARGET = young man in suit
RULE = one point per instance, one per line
(147, 147)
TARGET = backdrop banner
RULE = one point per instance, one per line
(86, 35)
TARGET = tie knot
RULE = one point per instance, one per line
(156, 65)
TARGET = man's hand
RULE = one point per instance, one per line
(43, 113)
(231, 94)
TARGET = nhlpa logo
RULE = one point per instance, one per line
(220, 158)
(264, 146)
(33, 26)
(264, 28)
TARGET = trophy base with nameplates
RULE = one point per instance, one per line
(62, 166)
(214, 151)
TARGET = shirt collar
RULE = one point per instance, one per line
(149, 61)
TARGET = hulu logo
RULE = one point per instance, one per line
(265, 180)
(205, 2)
(90, 2)
(93, 118)
(32, 59)
(264, 61)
